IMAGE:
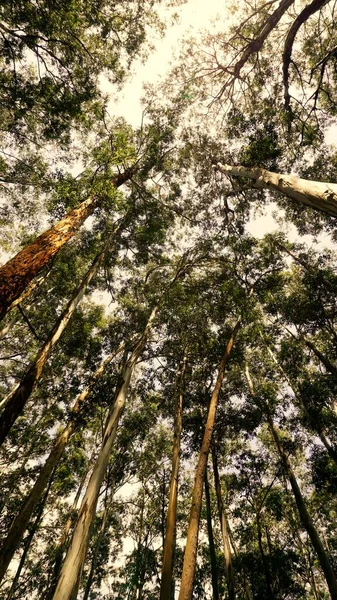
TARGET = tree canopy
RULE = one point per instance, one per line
(168, 341)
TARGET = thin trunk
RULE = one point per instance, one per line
(22, 519)
(169, 544)
(305, 517)
(324, 360)
(60, 549)
(246, 587)
(28, 542)
(18, 272)
(263, 557)
(223, 524)
(321, 196)
(71, 572)
(190, 556)
(214, 568)
(17, 399)
(304, 15)
(312, 421)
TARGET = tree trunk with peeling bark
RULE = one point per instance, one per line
(318, 195)
(71, 572)
(190, 555)
(22, 519)
(17, 399)
(169, 544)
(18, 272)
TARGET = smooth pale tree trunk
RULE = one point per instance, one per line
(18, 272)
(71, 572)
(169, 543)
(305, 517)
(214, 568)
(22, 519)
(61, 546)
(318, 195)
(223, 523)
(298, 396)
(28, 542)
(96, 550)
(17, 399)
(190, 556)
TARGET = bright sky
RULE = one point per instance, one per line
(193, 16)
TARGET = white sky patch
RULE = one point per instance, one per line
(193, 16)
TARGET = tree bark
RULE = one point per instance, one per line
(224, 532)
(214, 568)
(63, 539)
(190, 555)
(95, 552)
(17, 399)
(305, 517)
(71, 572)
(18, 272)
(22, 519)
(316, 428)
(169, 544)
(318, 195)
(28, 542)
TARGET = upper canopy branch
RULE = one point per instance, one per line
(309, 10)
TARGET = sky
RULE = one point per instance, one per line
(192, 16)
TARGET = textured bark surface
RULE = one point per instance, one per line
(18, 272)
(70, 576)
(318, 195)
(169, 544)
(16, 401)
(190, 555)
(23, 517)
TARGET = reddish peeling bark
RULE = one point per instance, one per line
(18, 272)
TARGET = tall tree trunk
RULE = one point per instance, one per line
(305, 517)
(61, 546)
(22, 519)
(70, 575)
(28, 541)
(270, 593)
(316, 427)
(224, 532)
(97, 545)
(318, 195)
(18, 272)
(190, 556)
(246, 587)
(214, 567)
(169, 544)
(18, 397)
